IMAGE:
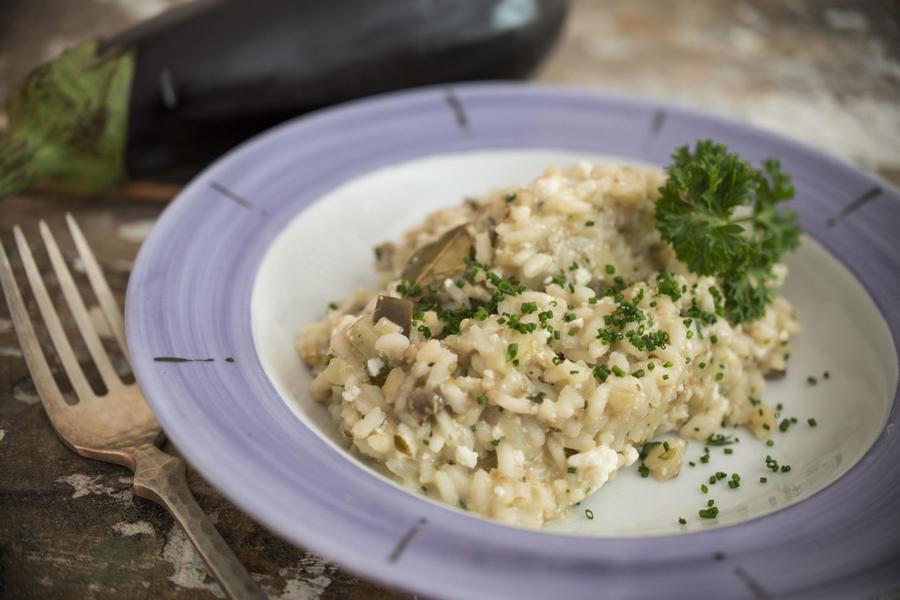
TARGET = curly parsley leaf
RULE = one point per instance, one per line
(723, 218)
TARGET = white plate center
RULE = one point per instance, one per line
(325, 253)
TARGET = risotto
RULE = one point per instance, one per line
(526, 346)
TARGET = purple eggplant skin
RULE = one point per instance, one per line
(214, 73)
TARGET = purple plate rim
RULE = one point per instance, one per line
(183, 303)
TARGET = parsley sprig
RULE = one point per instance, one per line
(696, 214)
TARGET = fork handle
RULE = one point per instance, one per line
(160, 477)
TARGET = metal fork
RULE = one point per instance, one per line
(117, 426)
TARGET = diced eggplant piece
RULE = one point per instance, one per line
(425, 403)
(445, 257)
(775, 373)
(395, 310)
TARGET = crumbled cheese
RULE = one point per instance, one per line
(351, 393)
(374, 365)
(630, 454)
(595, 466)
(466, 457)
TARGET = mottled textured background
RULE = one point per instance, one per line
(823, 72)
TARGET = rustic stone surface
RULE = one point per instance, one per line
(823, 72)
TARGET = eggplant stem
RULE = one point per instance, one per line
(16, 164)
(68, 122)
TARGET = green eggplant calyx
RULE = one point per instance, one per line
(67, 123)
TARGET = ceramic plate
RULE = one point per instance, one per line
(261, 242)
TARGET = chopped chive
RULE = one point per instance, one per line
(589, 514)
(529, 307)
(682, 521)
(812, 422)
(617, 371)
(812, 380)
(763, 479)
(511, 351)
(720, 440)
(704, 488)
(481, 399)
(588, 223)
(332, 305)
(571, 469)
(708, 513)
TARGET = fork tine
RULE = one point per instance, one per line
(46, 386)
(51, 320)
(101, 287)
(79, 311)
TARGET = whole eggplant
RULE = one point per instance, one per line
(177, 91)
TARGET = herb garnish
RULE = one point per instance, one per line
(511, 351)
(695, 213)
(720, 440)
